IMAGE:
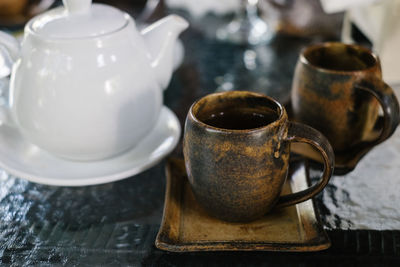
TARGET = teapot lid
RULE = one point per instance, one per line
(79, 19)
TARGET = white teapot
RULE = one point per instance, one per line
(85, 84)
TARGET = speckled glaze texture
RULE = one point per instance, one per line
(237, 175)
(337, 89)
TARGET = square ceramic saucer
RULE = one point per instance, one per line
(187, 227)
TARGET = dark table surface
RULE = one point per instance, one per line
(116, 223)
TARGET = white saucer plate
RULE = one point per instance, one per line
(25, 160)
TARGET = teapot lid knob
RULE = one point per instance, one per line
(77, 6)
(79, 19)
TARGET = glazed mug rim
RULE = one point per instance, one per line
(308, 49)
(280, 112)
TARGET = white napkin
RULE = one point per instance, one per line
(380, 23)
(334, 6)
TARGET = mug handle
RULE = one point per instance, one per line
(9, 51)
(299, 132)
(390, 106)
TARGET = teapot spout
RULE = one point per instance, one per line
(160, 38)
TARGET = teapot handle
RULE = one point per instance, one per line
(5, 111)
(5, 116)
(9, 49)
(9, 52)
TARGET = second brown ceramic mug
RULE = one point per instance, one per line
(236, 148)
(337, 89)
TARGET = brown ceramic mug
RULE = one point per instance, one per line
(236, 147)
(337, 89)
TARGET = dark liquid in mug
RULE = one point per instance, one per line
(241, 119)
(340, 57)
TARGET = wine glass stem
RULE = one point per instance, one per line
(251, 8)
